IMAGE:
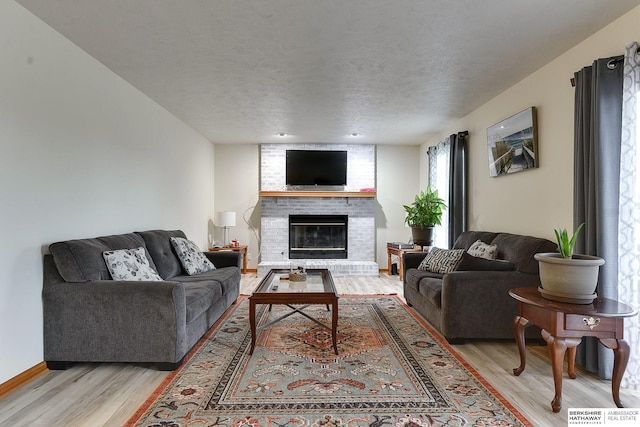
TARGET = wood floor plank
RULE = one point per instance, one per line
(108, 394)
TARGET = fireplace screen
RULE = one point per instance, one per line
(318, 236)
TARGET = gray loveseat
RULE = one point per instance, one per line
(474, 302)
(88, 317)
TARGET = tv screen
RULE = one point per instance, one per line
(316, 167)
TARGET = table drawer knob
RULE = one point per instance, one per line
(591, 322)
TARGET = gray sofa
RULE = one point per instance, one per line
(88, 317)
(473, 302)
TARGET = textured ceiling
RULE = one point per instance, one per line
(394, 71)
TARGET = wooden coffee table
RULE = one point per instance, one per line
(274, 289)
(563, 326)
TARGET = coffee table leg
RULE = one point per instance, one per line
(334, 324)
(620, 359)
(252, 322)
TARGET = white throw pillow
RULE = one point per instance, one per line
(130, 264)
(191, 257)
(483, 250)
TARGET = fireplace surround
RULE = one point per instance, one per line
(278, 203)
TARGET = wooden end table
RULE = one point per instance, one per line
(319, 288)
(242, 249)
(563, 326)
(397, 251)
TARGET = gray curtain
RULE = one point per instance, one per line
(457, 186)
(598, 118)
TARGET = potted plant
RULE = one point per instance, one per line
(565, 276)
(423, 215)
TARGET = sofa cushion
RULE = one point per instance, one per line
(521, 249)
(516, 248)
(203, 289)
(162, 252)
(226, 276)
(129, 264)
(431, 288)
(82, 261)
(473, 263)
(467, 238)
(200, 296)
(481, 249)
(413, 276)
(191, 257)
(441, 261)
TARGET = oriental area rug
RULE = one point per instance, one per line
(392, 370)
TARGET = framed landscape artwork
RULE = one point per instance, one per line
(513, 144)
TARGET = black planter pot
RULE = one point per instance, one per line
(422, 236)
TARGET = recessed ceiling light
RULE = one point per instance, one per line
(354, 134)
(281, 134)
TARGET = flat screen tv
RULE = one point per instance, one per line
(316, 167)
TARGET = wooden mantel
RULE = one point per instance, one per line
(317, 194)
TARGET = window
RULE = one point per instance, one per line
(629, 213)
(439, 173)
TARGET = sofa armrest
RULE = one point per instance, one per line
(107, 320)
(412, 259)
(467, 297)
(225, 258)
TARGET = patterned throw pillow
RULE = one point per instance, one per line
(191, 257)
(441, 261)
(483, 250)
(424, 264)
(130, 264)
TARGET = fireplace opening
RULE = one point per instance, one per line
(318, 236)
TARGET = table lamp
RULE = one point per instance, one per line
(226, 219)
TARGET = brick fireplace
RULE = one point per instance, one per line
(358, 212)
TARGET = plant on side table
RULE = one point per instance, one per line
(423, 215)
(568, 277)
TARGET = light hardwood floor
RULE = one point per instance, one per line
(108, 394)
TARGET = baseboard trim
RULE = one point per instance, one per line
(21, 379)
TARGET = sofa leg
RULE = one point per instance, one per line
(53, 365)
(455, 341)
(168, 366)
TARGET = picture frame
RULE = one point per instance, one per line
(513, 144)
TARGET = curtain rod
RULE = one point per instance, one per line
(611, 65)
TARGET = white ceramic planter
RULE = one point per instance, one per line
(573, 280)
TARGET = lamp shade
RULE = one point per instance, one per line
(226, 219)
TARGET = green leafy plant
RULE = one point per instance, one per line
(566, 245)
(426, 209)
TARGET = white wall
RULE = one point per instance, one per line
(237, 177)
(83, 154)
(397, 183)
(537, 201)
